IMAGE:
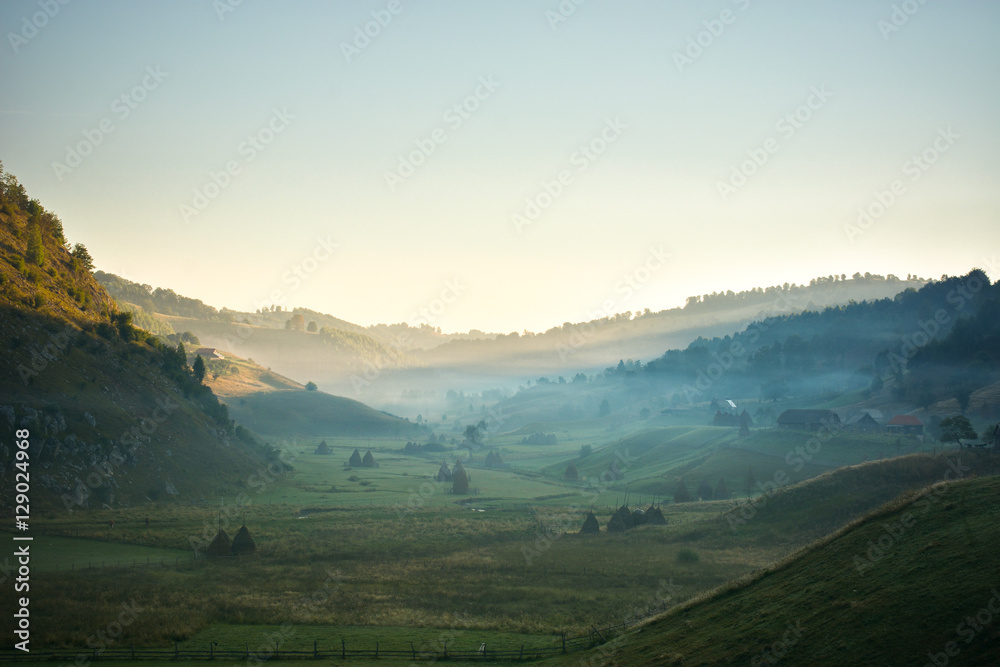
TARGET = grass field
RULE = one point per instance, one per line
(912, 583)
(389, 555)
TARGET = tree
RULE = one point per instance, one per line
(472, 434)
(82, 255)
(36, 251)
(586, 450)
(313, 327)
(956, 429)
(681, 494)
(199, 368)
(311, 386)
(298, 322)
(604, 409)
(721, 490)
(571, 473)
(705, 490)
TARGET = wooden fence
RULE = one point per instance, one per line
(594, 636)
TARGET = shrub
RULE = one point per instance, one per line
(687, 555)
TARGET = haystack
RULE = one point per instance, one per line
(368, 461)
(625, 515)
(443, 474)
(243, 544)
(654, 517)
(590, 525)
(355, 460)
(220, 547)
(571, 473)
(459, 479)
(323, 448)
(616, 525)
(638, 517)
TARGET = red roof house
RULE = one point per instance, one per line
(905, 425)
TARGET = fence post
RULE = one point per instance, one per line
(343, 649)
(175, 651)
(521, 654)
(564, 642)
(315, 650)
(413, 651)
(446, 650)
(376, 649)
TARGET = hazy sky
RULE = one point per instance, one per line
(632, 126)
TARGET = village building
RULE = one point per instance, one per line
(905, 425)
(808, 420)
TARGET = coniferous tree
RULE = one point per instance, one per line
(721, 490)
(199, 368)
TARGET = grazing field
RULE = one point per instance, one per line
(923, 593)
(377, 563)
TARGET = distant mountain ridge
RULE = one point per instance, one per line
(348, 358)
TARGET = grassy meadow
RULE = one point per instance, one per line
(388, 554)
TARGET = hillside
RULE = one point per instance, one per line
(933, 352)
(903, 585)
(344, 357)
(115, 417)
(274, 405)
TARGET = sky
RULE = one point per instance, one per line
(506, 165)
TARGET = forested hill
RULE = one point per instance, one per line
(935, 349)
(915, 349)
(113, 415)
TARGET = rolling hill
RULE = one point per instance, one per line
(276, 406)
(914, 582)
(114, 417)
